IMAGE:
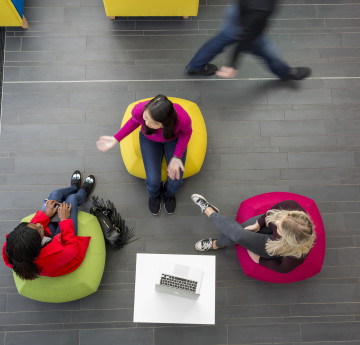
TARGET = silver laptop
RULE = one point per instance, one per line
(180, 280)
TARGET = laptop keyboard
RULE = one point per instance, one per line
(178, 283)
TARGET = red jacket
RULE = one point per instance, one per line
(63, 254)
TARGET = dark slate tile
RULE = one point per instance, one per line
(190, 335)
(107, 316)
(117, 42)
(7, 165)
(269, 333)
(108, 300)
(88, 13)
(327, 193)
(52, 73)
(62, 337)
(11, 74)
(118, 73)
(309, 41)
(335, 11)
(51, 164)
(53, 43)
(138, 336)
(34, 317)
(321, 159)
(42, 13)
(330, 332)
(12, 44)
(298, 96)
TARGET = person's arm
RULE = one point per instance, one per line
(67, 238)
(43, 219)
(185, 133)
(106, 142)
(287, 264)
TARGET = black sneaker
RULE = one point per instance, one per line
(155, 205)
(88, 185)
(76, 179)
(208, 69)
(202, 203)
(205, 245)
(170, 204)
(299, 73)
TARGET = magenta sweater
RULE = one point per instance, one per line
(182, 128)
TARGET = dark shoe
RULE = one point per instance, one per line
(76, 179)
(170, 204)
(155, 205)
(88, 185)
(205, 245)
(208, 69)
(202, 203)
(299, 73)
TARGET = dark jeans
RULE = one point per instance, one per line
(70, 196)
(152, 153)
(229, 34)
(234, 233)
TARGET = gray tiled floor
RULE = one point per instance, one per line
(69, 78)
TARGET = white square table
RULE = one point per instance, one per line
(157, 307)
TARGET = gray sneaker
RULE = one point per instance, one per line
(204, 245)
(202, 203)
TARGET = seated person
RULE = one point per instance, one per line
(165, 128)
(45, 248)
(280, 239)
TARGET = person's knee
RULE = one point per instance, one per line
(72, 199)
(55, 195)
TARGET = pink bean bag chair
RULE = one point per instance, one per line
(259, 204)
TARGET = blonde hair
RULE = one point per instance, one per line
(297, 237)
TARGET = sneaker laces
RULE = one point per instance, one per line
(206, 244)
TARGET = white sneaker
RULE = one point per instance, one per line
(202, 203)
(204, 245)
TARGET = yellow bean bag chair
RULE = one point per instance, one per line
(196, 149)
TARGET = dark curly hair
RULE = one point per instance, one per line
(162, 110)
(23, 246)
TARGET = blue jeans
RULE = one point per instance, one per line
(262, 47)
(70, 196)
(152, 153)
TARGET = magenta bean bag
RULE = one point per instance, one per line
(259, 204)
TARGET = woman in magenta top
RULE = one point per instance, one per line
(165, 128)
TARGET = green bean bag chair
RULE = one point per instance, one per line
(80, 283)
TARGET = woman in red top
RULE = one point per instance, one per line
(47, 248)
(280, 239)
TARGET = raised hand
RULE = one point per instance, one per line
(105, 143)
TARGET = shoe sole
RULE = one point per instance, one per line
(201, 197)
(156, 214)
(167, 211)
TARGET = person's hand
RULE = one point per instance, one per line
(51, 208)
(227, 72)
(64, 211)
(254, 227)
(254, 256)
(174, 167)
(105, 143)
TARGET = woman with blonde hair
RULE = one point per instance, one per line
(280, 239)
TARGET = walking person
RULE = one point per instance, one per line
(244, 27)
